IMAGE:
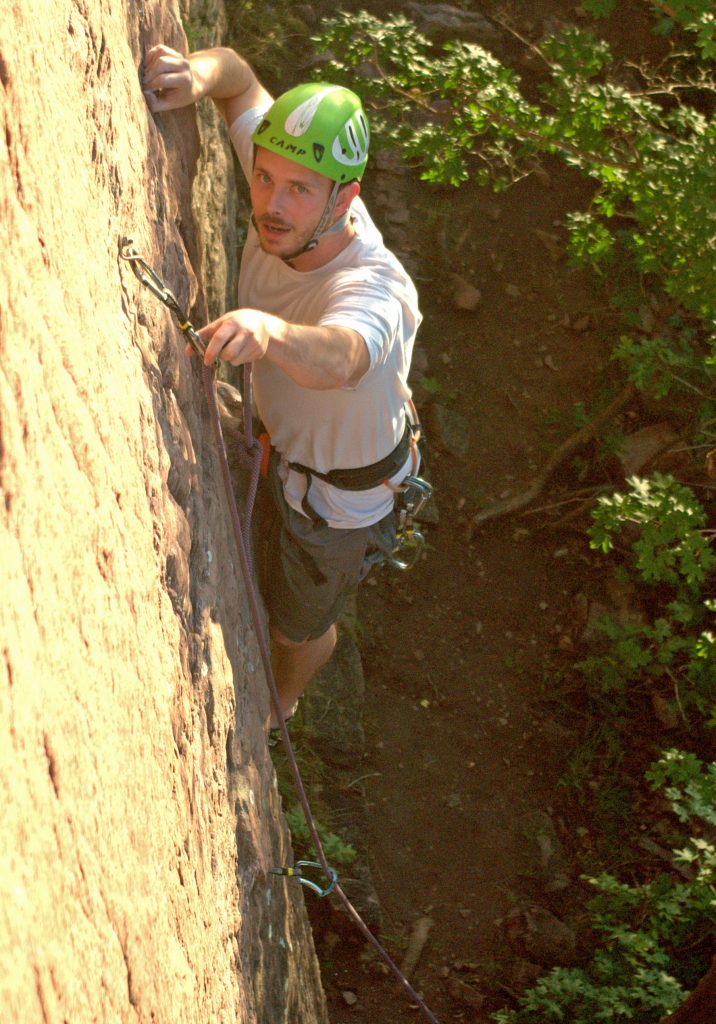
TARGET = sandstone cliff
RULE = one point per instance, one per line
(138, 808)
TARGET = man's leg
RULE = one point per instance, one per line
(295, 664)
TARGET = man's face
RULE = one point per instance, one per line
(288, 201)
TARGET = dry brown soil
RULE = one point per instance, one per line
(465, 723)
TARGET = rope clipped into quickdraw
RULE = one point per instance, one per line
(154, 283)
(242, 531)
(297, 872)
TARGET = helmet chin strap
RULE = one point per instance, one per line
(322, 226)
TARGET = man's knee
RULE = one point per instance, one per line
(283, 641)
(328, 638)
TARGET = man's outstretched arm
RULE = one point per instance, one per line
(313, 356)
(171, 80)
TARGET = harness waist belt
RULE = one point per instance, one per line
(363, 478)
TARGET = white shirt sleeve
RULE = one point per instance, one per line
(369, 308)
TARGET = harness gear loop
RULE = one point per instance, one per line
(297, 872)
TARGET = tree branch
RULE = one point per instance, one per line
(500, 120)
(565, 450)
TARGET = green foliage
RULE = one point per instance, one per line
(688, 783)
(431, 385)
(437, 109)
(460, 113)
(695, 16)
(692, 16)
(600, 754)
(313, 772)
(266, 35)
(571, 995)
(665, 656)
(336, 850)
(599, 8)
(590, 241)
(672, 360)
(200, 31)
(675, 652)
(671, 546)
(651, 937)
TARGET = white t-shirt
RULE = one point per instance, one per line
(364, 288)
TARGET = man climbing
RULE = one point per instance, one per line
(328, 316)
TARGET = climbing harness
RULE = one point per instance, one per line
(361, 478)
(412, 493)
(241, 531)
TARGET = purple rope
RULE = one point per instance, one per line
(242, 533)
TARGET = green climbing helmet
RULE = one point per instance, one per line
(322, 127)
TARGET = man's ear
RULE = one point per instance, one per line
(346, 194)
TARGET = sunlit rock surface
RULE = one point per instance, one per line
(138, 811)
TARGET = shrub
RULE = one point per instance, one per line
(652, 938)
(671, 555)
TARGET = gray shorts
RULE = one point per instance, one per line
(308, 571)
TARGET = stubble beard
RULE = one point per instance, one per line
(267, 244)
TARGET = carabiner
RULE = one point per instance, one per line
(409, 544)
(409, 541)
(151, 280)
(414, 493)
(144, 273)
(296, 872)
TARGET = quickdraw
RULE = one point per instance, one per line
(297, 872)
(144, 273)
(409, 541)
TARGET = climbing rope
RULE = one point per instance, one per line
(242, 533)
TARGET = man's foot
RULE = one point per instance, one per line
(288, 715)
(274, 733)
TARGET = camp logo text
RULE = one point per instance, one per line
(288, 147)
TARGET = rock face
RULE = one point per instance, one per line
(138, 809)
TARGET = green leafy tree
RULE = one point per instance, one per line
(695, 17)
(460, 114)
